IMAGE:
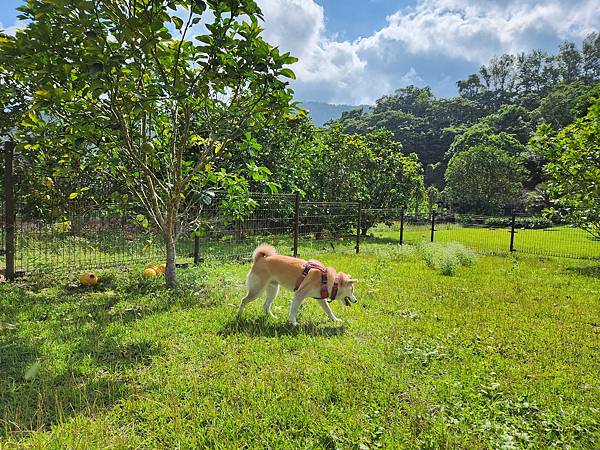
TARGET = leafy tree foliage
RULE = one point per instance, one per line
(126, 82)
(484, 179)
(574, 171)
(487, 135)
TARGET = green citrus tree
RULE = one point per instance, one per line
(574, 171)
(155, 90)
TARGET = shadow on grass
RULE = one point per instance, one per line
(590, 271)
(67, 353)
(265, 327)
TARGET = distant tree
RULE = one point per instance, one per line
(558, 107)
(484, 179)
(499, 74)
(574, 171)
(485, 134)
(471, 87)
(591, 57)
(532, 76)
(569, 62)
(511, 119)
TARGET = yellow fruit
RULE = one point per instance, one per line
(49, 182)
(160, 268)
(149, 273)
(88, 279)
(151, 266)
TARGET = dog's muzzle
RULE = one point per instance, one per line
(349, 300)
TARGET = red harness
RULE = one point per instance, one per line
(324, 290)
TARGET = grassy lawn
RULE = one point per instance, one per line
(505, 353)
(555, 241)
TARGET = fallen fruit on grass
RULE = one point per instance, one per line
(160, 268)
(49, 182)
(151, 266)
(149, 273)
(88, 279)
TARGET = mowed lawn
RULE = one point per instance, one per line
(554, 241)
(505, 353)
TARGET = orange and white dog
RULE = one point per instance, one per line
(306, 278)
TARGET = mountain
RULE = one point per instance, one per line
(321, 113)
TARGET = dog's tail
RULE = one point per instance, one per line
(262, 251)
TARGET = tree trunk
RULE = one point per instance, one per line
(170, 270)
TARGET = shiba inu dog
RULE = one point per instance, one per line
(306, 278)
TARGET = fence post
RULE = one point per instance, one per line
(358, 225)
(402, 226)
(296, 222)
(9, 210)
(196, 250)
(512, 232)
(432, 224)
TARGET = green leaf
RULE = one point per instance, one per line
(288, 73)
(177, 21)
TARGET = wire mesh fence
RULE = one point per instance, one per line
(84, 237)
(493, 234)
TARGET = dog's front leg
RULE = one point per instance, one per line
(328, 311)
(296, 302)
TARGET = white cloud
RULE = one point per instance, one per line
(11, 30)
(435, 42)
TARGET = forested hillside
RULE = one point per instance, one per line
(502, 107)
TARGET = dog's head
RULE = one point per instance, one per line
(346, 289)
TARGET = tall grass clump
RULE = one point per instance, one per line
(446, 258)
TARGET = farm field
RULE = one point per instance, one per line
(503, 353)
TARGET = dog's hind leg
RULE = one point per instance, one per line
(272, 291)
(328, 310)
(254, 290)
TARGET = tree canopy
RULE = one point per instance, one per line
(150, 91)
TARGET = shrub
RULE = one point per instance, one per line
(446, 258)
(533, 222)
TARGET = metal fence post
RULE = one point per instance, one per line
(196, 250)
(296, 222)
(512, 232)
(9, 210)
(358, 225)
(432, 224)
(402, 226)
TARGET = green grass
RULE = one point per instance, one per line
(502, 354)
(556, 241)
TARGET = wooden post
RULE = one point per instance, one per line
(358, 225)
(296, 222)
(402, 226)
(9, 209)
(432, 224)
(196, 250)
(512, 232)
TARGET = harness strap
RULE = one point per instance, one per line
(334, 290)
(324, 289)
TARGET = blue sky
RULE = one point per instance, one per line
(355, 51)
(351, 19)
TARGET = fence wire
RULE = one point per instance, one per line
(84, 237)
